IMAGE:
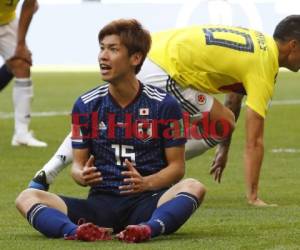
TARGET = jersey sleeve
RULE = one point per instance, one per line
(81, 125)
(171, 126)
(259, 93)
(260, 76)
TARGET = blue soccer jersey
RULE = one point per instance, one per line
(139, 132)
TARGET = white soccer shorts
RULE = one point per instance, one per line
(8, 39)
(191, 100)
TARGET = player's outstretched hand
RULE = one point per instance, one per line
(219, 164)
(90, 175)
(134, 182)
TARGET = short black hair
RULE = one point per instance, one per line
(288, 28)
(132, 35)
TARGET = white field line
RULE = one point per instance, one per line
(52, 68)
(282, 102)
(4, 115)
(285, 102)
(285, 150)
(9, 115)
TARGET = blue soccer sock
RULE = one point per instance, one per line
(5, 76)
(171, 215)
(50, 221)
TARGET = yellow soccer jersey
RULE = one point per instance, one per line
(7, 11)
(218, 59)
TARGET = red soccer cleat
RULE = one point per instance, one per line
(91, 232)
(135, 234)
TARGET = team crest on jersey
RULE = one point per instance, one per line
(144, 111)
(201, 99)
(102, 126)
(144, 130)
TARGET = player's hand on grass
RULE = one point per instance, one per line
(219, 164)
(260, 203)
(90, 175)
(134, 182)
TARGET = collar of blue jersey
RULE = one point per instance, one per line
(133, 100)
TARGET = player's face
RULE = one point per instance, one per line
(294, 56)
(115, 64)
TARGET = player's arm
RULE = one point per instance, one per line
(172, 173)
(166, 177)
(28, 9)
(83, 170)
(233, 101)
(80, 157)
(254, 151)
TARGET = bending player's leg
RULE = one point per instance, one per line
(22, 97)
(194, 103)
(214, 128)
(22, 90)
(62, 158)
(5, 76)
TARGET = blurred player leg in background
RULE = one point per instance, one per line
(5, 76)
(22, 98)
(62, 158)
(17, 56)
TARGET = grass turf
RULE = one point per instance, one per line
(224, 221)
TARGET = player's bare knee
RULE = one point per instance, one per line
(228, 121)
(26, 199)
(194, 187)
(19, 68)
(24, 196)
(231, 120)
(225, 127)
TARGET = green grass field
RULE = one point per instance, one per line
(224, 221)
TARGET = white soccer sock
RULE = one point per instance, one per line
(62, 157)
(195, 147)
(22, 96)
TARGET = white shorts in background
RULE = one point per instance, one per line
(8, 39)
(191, 100)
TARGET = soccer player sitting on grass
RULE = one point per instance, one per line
(193, 63)
(134, 174)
